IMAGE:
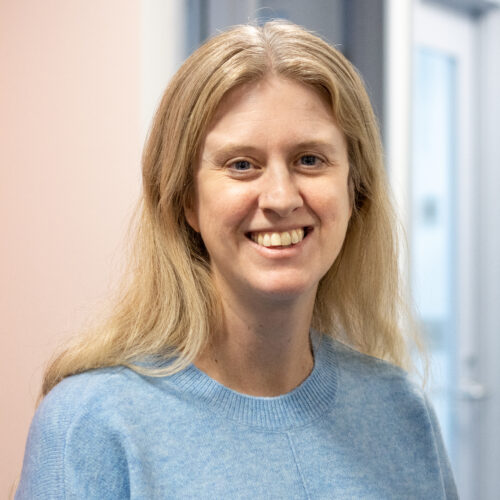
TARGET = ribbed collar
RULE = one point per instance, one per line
(305, 403)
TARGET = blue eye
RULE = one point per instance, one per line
(309, 160)
(241, 165)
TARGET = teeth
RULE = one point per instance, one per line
(284, 239)
(276, 240)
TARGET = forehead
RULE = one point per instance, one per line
(277, 88)
(273, 104)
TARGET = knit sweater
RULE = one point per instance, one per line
(356, 428)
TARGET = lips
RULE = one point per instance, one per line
(278, 239)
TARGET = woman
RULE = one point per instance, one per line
(265, 220)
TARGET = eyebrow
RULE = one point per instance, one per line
(318, 144)
(235, 149)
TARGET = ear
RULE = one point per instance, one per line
(191, 213)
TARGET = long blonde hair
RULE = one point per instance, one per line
(168, 305)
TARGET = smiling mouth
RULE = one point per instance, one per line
(279, 239)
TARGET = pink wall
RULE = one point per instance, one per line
(70, 144)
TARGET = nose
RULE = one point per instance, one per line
(280, 192)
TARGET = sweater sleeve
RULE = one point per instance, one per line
(72, 452)
(445, 467)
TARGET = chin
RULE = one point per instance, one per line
(285, 291)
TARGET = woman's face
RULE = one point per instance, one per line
(271, 194)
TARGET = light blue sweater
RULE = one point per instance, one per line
(355, 429)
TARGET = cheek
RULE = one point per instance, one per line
(333, 207)
(223, 211)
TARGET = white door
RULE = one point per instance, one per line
(443, 191)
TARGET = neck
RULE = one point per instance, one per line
(264, 348)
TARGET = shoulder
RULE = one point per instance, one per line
(376, 391)
(84, 394)
(75, 431)
(371, 380)
(364, 364)
(380, 405)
